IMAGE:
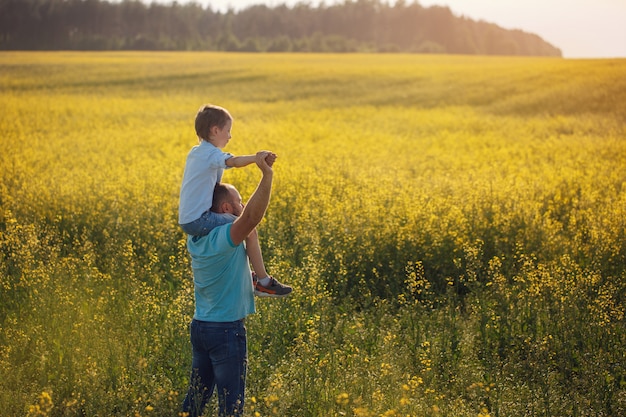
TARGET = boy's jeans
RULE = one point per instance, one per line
(207, 222)
(220, 359)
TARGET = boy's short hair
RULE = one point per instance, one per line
(208, 116)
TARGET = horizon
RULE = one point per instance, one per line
(557, 22)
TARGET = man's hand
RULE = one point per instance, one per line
(265, 160)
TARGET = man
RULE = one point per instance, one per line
(224, 296)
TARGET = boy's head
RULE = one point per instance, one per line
(209, 116)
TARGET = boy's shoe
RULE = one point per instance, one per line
(274, 289)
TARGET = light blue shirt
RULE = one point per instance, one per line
(221, 276)
(203, 169)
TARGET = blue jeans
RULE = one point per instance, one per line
(207, 222)
(220, 358)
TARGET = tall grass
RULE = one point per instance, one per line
(454, 228)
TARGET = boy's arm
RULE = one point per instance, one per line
(240, 161)
(245, 160)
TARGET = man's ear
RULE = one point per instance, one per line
(226, 207)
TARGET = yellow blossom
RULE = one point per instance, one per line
(343, 398)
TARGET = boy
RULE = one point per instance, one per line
(203, 170)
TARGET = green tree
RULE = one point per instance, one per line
(280, 44)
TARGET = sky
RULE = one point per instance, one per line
(580, 28)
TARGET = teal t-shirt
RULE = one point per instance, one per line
(222, 278)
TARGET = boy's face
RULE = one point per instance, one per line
(220, 137)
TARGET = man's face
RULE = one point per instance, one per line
(235, 202)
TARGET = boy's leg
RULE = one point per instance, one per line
(207, 222)
(265, 286)
(253, 249)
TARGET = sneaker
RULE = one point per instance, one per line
(274, 289)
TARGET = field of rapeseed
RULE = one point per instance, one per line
(454, 227)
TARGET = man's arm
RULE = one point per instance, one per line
(254, 211)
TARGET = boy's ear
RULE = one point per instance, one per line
(213, 130)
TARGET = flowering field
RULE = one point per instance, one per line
(454, 228)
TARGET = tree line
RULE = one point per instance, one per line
(351, 26)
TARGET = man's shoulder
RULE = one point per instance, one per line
(217, 239)
(222, 233)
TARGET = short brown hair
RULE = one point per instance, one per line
(221, 194)
(208, 116)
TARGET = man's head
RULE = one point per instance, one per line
(226, 199)
(213, 124)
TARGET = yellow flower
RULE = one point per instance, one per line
(378, 396)
(271, 399)
(343, 398)
(362, 412)
(43, 407)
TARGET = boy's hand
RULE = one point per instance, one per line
(262, 159)
(270, 158)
